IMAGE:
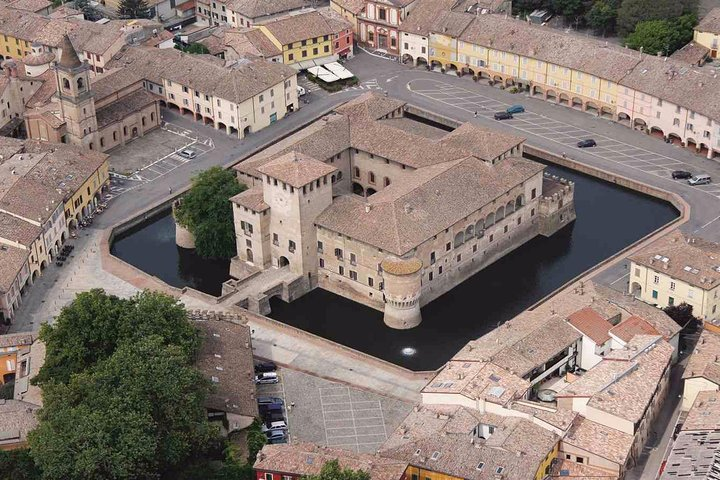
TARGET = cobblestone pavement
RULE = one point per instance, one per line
(333, 414)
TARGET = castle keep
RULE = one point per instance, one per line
(387, 211)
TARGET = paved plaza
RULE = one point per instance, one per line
(156, 154)
(333, 414)
(561, 132)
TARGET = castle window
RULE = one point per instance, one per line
(341, 270)
(353, 275)
(102, 142)
(322, 263)
(387, 181)
(356, 172)
(291, 246)
(66, 84)
(114, 136)
(371, 177)
(143, 121)
(432, 258)
(276, 239)
(353, 259)
(371, 281)
(320, 247)
(81, 83)
(339, 253)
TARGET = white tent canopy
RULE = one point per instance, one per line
(323, 74)
(339, 70)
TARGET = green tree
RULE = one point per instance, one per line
(89, 12)
(682, 314)
(570, 9)
(601, 17)
(134, 9)
(136, 414)
(92, 327)
(197, 48)
(332, 471)
(664, 36)
(206, 211)
(631, 12)
(18, 465)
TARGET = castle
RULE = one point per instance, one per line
(388, 211)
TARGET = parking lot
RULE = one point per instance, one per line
(564, 134)
(329, 413)
(154, 155)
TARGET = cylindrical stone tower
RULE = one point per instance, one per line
(183, 237)
(401, 289)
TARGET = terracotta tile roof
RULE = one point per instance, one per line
(253, 9)
(205, 74)
(244, 43)
(15, 230)
(558, 418)
(63, 12)
(482, 143)
(705, 360)
(591, 324)
(17, 419)
(710, 22)
(252, 199)
(46, 175)
(296, 169)
(603, 441)
(634, 325)
(124, 107)
(597, 58)
(692, 54)
(16, 339)
(432, 199)
(626, 380)
(478, 381)
(696, 263)
(515, 449)
(295, 28)
(353, 6)
(705, 412)
(694, 455)
(35, 6)
(302, 459)
(226, 359)
(12, 259)
(424, 15)
(112, 82)
(370, 105)
(450, 23)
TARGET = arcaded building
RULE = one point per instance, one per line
(388, 211)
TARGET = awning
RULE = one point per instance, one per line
(339, 70)
(323, 74)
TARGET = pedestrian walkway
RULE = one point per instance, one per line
(308, 85)
(58, 285)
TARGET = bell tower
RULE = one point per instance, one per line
(76, 98)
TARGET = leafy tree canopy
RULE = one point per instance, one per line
(682, 314)
(631, 12)
(332, 471)
(18, 465)
(570, 9)
(89, 12)
(195, 48)
(206, 211)
(135, 414)
(134, 9)
(601, 17)
(95, 324)
(664, 36)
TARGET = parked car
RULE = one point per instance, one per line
(273, 416)
(265, 367)
(702, 179)
(276, 436)
(681, 174)
(269, 400)
(187, 153)
(589, 142)
(265, 378)
(301, 91)
(280, 426)
(265, 408)
(503, 116)
(515, 109)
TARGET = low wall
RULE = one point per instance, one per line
(674, 199)
(433, 117)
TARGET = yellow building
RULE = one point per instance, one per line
(86, 198)
(443, 39)
(707, 33)
(701, 373)
(675, 270)
(14, 47)
(349, 10)
(305, 39)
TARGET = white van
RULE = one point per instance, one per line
(301, 91)
(702, 179)
(265, 378)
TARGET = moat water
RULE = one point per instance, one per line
(609, 218)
